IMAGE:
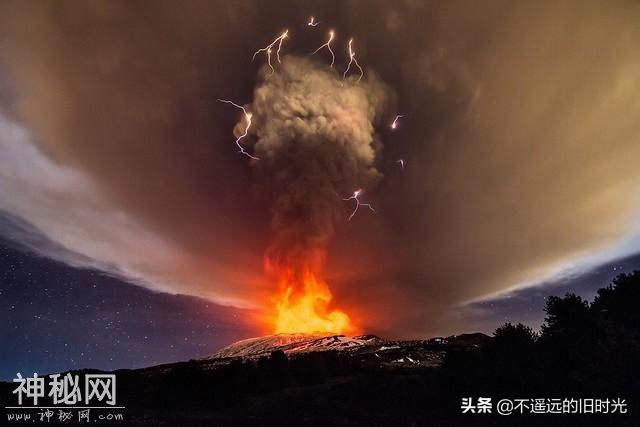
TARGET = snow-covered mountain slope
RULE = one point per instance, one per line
(293, 344)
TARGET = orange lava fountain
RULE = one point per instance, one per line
(303, 306)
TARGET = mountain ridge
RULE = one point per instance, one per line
(293, 343)
(414, 352)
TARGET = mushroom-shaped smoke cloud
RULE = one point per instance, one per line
(315, 138)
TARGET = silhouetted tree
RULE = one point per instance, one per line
(619, 301)
(569, 335)
(509, 337)
(565, 316)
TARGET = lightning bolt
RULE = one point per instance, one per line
(328, 46)
(273, 70)
(356, 197)
(247, 116)
(269, 47)
(312, 22)
(352, 60)
(394, 125)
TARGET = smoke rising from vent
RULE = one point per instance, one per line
(315, 137)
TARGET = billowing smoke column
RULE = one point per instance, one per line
(315, 139)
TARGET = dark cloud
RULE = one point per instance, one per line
(520, 143)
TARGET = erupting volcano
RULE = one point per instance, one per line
(314, 142)
(304, 305)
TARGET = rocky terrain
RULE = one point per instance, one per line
(366, 349)
(294, 343)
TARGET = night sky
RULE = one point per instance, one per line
(134, 232)
(56, 318)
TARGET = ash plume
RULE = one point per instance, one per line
(315, 137)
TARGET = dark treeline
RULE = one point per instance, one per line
(194, 385)
(583, 350)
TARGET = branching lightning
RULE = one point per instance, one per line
(247, 116)
(269, 60)
(273, 70)
(269, 48)
(312, 22)
(394, 125)
(356, 197)
(352, 60)
(328, 46)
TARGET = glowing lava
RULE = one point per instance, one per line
(303, 306)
